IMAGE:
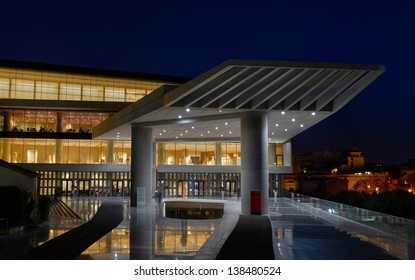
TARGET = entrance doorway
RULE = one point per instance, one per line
(68, 187)
(199, 188)
(120, 188)
(83, 187)
(182, 188)
(231, 188)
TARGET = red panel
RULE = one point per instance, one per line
(255, 203)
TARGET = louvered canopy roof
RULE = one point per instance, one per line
(295, 96)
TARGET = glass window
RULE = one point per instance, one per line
(180, 153)
(170, 151)
(209, 156)
(114, 94)
(92, 93)
(46, 90)
(22, 89)
(133, 95)
(280, 153)
(4, 88)
(70, 92)
(73, 151)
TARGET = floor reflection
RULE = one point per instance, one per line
(143, 234)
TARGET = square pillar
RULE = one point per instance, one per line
(254, 162)
(141, 165)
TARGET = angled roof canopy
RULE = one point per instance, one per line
(295, 95)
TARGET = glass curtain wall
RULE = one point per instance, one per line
(44, 85)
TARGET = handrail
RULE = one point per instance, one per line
(393, 225)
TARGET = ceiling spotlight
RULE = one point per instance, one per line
(285, 129)
(293, 120)
(226, 123)
(276, 124)
(282, 113)
(180, 116)
(187, 110)
(313, 113)
(301, 125)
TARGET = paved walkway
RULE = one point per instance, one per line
(301, 236)
(251, 239)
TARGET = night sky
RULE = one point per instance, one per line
(186, 38)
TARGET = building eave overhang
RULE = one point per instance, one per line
(295, 95)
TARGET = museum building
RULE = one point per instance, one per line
(226, 132)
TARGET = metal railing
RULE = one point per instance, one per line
(340, 214)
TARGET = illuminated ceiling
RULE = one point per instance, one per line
(295, 96)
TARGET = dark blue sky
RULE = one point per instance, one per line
(189, 37)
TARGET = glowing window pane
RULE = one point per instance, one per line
(92, 93)
(70, 92)
(4, 88)
(22, 89)
(46, 90)
(114, 94)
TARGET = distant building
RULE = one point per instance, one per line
(327, 172)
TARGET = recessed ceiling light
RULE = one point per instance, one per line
(293, 120)
(187, 131)
(208, 131)
(301, 125)
(230, 132)
(226, 123)
(216, 127)
(313, 113)
(201, 134)
(161, 134)
(285, 129)
(272, 133)
(177, 137)
(282, 113)
(220, 111)
(193, 127)
(276, 124)
(164, 130)
(180, 117)
(269, 139)
(221, 135)
(181, 134)
(187, 110)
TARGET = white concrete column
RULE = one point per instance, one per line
(272, 154)
(254, 162)
(287, 154)
(141, 165)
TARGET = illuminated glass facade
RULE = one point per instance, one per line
(47, 117)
